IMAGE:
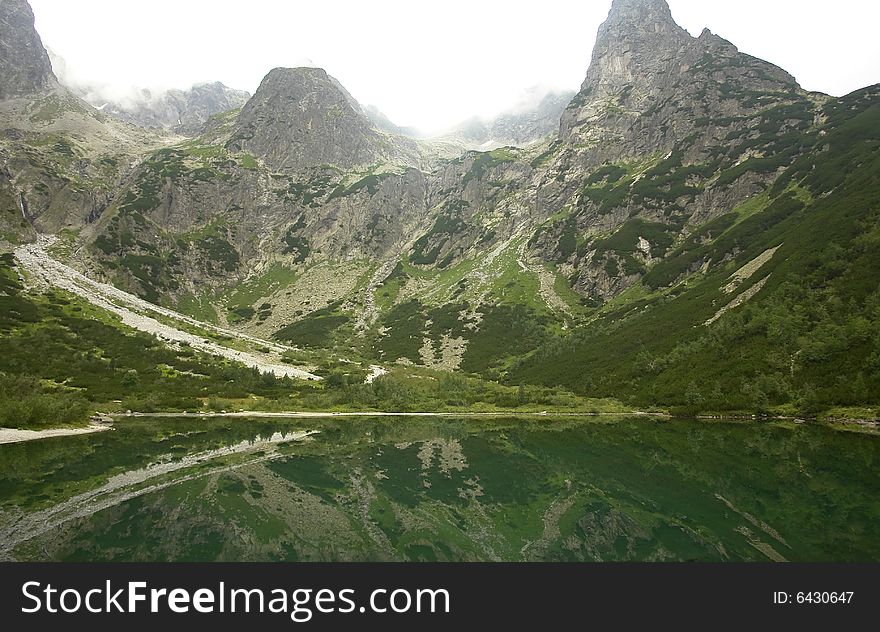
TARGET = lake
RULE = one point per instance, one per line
(437, 489)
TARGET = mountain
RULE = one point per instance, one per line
(699, 232)
(182, 111)
(651, 84)
(61, 161)
(299, 175)
(24, 63)
(528, 123)
(302, 117)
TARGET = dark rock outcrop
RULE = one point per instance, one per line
(24, 63)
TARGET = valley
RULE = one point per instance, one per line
(644, 253)
(639, 322)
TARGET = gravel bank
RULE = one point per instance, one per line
(131, 309)
(13, 435)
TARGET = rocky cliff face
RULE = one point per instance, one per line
(657, 139)
(24, 64)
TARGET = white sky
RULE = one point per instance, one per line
(431, 64)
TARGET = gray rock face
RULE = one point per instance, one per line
(526, 127)
(183, 111)
(301, 118)
(61, 161)
(693, 108)
(24, 64)
(639, 41)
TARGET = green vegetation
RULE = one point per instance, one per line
(568, 241)
(418, 390)
(152, 273)
(404, 339)
(625, 244)
(69, 359)
(448, 224)
(26, 403)
(608, 174)
(483, 162)
(387, 292)
(489, 349)
(296, 245)
(52, 107)
(310, 193)
(221, 255)
(315, 329)
(369, 183)
(198, 307)
(547, 155)
(247, 294)
(487, 333)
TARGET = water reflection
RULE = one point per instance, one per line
(444, 489)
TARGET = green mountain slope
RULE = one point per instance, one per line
(805, 336)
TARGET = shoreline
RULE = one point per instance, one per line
(860, 423)
(329, 415)
(17, 435)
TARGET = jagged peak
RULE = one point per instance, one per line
(638, 24)
(644, 9)
(637, 36)
(640, 16)
(641, 53)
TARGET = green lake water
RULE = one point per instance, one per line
(427, 489)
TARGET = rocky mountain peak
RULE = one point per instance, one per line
(635, 43)
(303, 117)
(25, 68)
(646, 13)
(646, 71)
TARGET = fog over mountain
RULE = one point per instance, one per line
(418, 75)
